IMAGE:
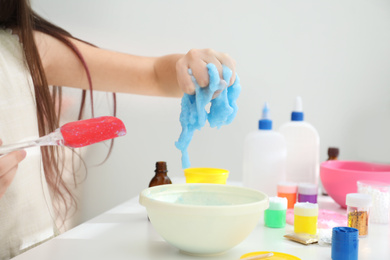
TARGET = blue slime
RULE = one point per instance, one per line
(193, 114)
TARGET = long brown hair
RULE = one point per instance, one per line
(19, 14)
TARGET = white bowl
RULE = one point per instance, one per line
(203, 219)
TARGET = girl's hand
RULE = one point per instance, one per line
(8, 166)
(196, 60)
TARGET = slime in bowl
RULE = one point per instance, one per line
(203, 219)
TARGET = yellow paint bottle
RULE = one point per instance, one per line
(305, 218)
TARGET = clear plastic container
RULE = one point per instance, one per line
(380, 194)
(303, 145)
(358, 210)
(264, 157)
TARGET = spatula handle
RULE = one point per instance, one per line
(54, 138)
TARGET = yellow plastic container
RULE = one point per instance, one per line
(206, 175)
(305, 218)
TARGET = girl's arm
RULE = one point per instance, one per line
(120, 72)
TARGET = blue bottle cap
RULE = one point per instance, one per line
(345, 243)
(265, 123)
(297, 114)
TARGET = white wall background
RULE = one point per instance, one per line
(334, 53)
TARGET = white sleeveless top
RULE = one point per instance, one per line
(26, 215)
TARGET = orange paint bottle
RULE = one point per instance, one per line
(288, 190)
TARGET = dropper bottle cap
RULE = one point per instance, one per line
(265, 123)
(161, 167)
(297, 114)
(333, 151)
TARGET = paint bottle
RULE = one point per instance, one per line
(303, 143)
(345, 243)
(358, 210)
(288, 190)
(307, 192)
(160, 176)
(305, 218)
(264, 157)
(275, 215)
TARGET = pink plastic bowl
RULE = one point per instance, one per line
(340, 177)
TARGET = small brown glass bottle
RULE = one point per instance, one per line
(333, 153)
(161, 176)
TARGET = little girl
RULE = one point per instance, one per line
(35, 54)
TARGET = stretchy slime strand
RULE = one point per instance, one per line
(193, 114)
(85, 132)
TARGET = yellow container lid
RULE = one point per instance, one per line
(276, 256)
(206, 175)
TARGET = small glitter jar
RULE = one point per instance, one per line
(380, 194)
(305, 218)
(358, 210)
(345, 243)
(288, 190)
(275, 215)
(307, 192)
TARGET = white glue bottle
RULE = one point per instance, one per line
(303, 147)
(264, 157)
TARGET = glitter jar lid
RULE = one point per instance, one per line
(307, 188)
(358, 200)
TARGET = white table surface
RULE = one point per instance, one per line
(124, 232)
